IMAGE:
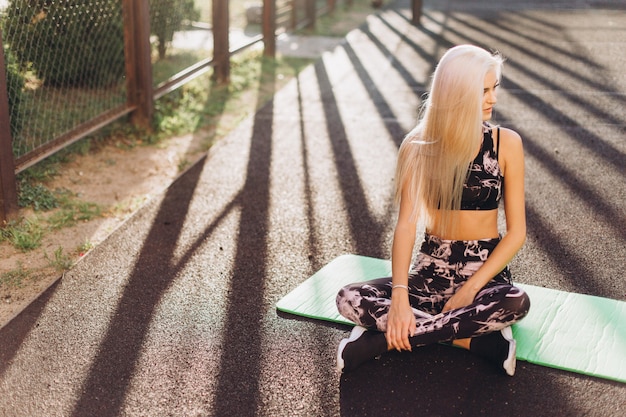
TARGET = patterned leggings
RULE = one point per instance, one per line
(440, 269)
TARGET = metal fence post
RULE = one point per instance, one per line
(269, 28)
(221, 48)
(138, 60)
(8, 186)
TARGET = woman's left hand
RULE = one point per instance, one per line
(463, 297)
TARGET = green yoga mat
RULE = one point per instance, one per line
(574, 332)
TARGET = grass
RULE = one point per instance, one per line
(84, 247)
(24, 234)
(65, 210)
(60, 261)
(72, 212)
(27, 234)
(14, 278)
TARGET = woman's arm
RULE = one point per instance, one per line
(511, 160)
(400, 320)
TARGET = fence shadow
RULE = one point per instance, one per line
(15, 332)
(113, 367)
(242, 339)
(364, 228)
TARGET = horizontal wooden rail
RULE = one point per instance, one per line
(71, 136)
(194, 71)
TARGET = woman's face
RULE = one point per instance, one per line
(489, 94)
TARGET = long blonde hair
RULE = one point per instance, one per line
(434, 157)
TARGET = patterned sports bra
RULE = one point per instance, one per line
(484, 184)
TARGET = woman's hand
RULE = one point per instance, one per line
(400, 321)
(463, 297)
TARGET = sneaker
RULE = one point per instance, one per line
(361, 346)
(498, 348)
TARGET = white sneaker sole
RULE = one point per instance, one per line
(510, 362)
(354, 335)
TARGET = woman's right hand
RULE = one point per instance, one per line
(400, 321)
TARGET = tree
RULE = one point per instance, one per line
(169, 16)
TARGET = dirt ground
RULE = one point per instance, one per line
(120, 181)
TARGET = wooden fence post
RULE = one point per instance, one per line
(293, 20)
(417, 11)
(310, 12)
(331, 6)
(269, 28)
(8, 186)
(137, 51)
(221, 48)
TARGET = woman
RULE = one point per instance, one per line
(453, 169)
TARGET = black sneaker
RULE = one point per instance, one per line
(498, 348)
(361, 346)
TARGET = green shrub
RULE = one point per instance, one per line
(15, 91)
(70, 43)
(36, 196)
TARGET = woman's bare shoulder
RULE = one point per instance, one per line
(511, 153)
(509, 135)
(510, 141)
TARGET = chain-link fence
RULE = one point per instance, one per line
(74, 66)
(65, 63)
(69, 55)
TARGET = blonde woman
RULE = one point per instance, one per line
(453, 169)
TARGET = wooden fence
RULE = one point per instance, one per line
(140, 92)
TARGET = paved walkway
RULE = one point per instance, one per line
(174, 314)
(286, 43)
